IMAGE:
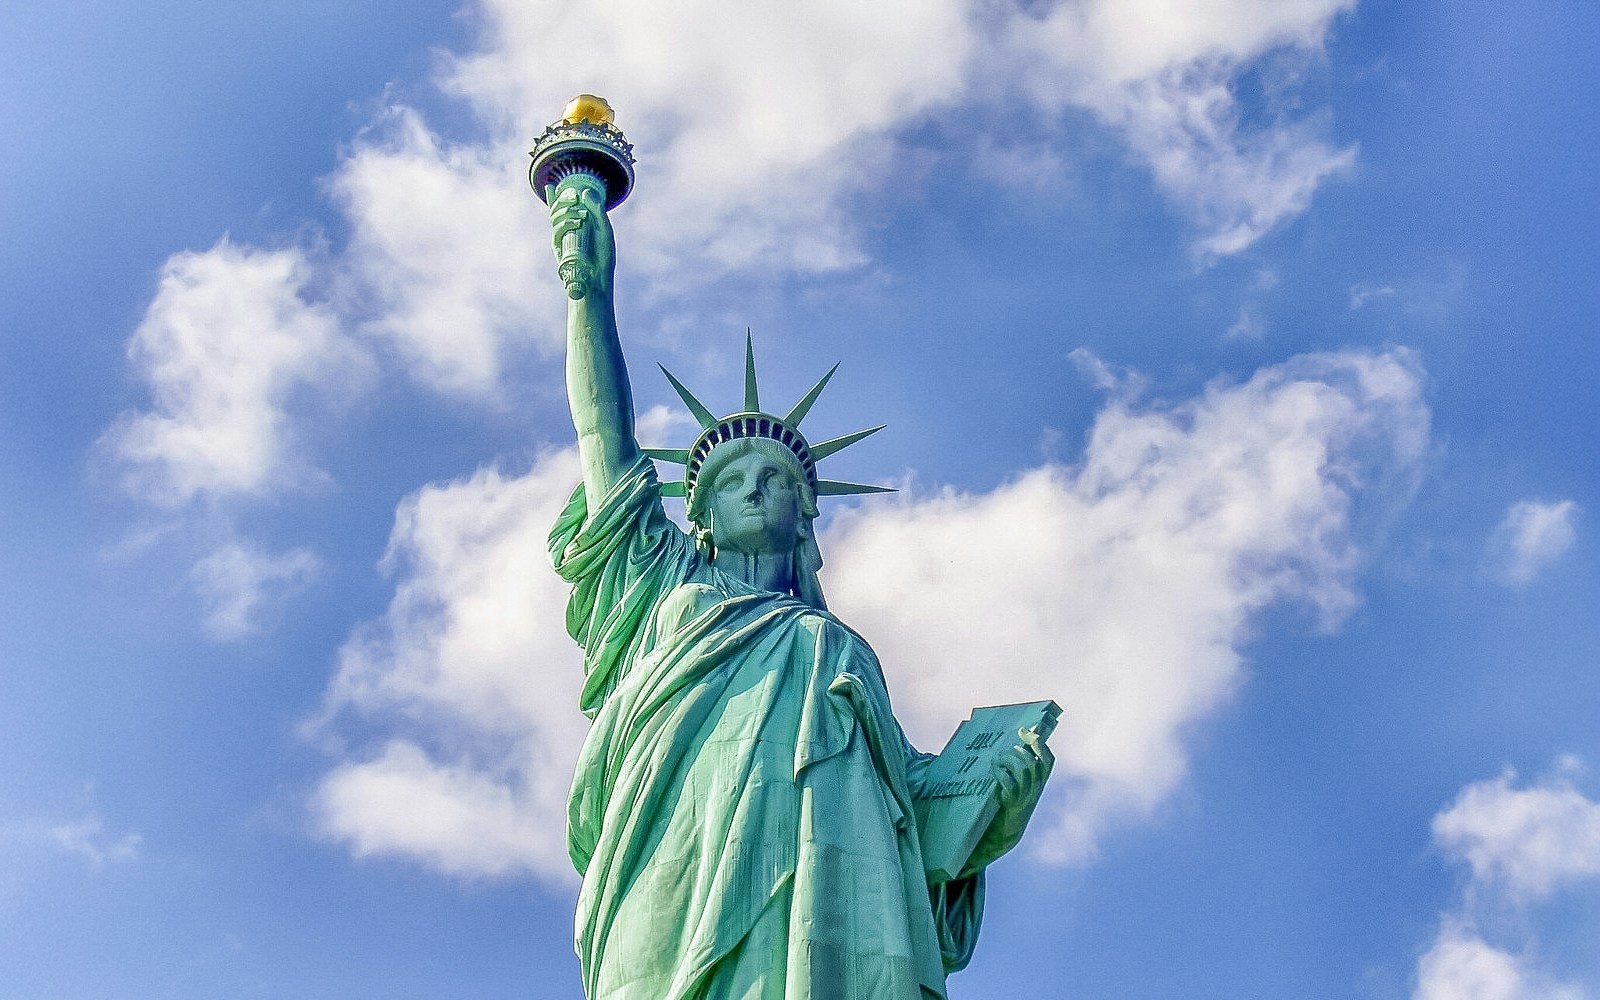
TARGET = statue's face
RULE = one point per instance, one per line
(755, 506)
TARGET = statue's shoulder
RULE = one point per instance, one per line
(826, 625)
(684, 603)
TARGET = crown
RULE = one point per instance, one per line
(752, 422)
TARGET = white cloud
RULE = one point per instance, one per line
(473, 663)
(1125, 587)
(777, 108)
(1165, 74)
(237, 351)
(455, 817)
(1248, 326)
(1361, 294)
(1528, 841)
(229, 337)
(87, 838)
(451, 258)
(240, 585)
(753, 121)
(760, 127)
(1462, 966)
(1531, 537)
(1522, 845)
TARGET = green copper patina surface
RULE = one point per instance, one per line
(744, 812)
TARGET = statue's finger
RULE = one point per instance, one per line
(1037, 774)
(1008, 785)
(1030, 743)
(1013, 767)
(563, 226)
(1040, 748)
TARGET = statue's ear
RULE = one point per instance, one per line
(702, 536)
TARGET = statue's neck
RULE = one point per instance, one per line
(763, 570)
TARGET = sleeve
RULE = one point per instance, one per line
(957, 916)
(621, 558)
(957, 904)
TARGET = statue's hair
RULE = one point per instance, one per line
(807, 557)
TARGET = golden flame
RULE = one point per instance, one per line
(588, 108)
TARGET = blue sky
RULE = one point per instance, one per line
(1239, 360)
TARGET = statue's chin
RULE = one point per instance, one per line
(754, 550)
(754, 543)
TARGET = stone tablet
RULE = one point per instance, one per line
(959, 796)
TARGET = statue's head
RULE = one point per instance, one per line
(750, 480)
(753, 496)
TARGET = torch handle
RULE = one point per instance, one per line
(573, 264)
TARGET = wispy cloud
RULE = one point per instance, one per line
(1248, 326)
(1361, 294)
(761, 131)
(1124, 588)
(231, 335)
(87, 838)
(239, 584)
(1166, 76)
(234, 346)
(449, 256)
(1427, 298)
(1523, 845)
(1532, 536)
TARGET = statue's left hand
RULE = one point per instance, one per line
(1021, 775)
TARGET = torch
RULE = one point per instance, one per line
(585, 149)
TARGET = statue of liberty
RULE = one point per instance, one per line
(745, 808)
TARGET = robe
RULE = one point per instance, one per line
(742, 808)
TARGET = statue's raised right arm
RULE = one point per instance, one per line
(597, 377)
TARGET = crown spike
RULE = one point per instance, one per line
(752, 397)
(674, 489)
(834, 488)
(695, 406)
(804, 406)
(677, 456)
(823, 449)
